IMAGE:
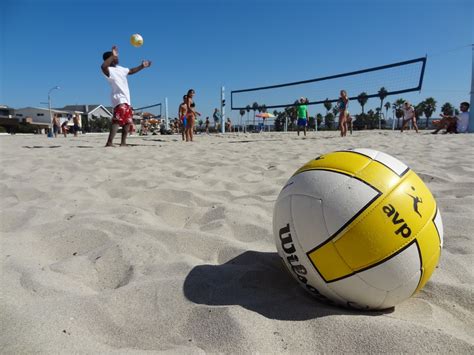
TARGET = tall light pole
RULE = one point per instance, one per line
(471, 110)
(49, 105)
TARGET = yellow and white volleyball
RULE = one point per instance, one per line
(358, 228)
(136, 40)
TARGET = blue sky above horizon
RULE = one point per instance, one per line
(240, 44)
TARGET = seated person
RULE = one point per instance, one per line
(455, 124)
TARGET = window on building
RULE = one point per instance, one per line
(40, 114)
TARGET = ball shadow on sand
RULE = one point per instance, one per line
(258, 282)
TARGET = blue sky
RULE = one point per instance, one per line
(204, 44)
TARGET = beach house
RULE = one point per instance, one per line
(91, 115)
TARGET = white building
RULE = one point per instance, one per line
(89, 113)
(38, 115)
(41, 117)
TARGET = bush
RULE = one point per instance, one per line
(101, 124)
(26, 128)
(329, 121)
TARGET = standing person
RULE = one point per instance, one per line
(408, 115)
(349, 124)
(191, 114)
(217, 117)
(206, 125)
(455, 124)
(302, 115)
(342, 105)
(117, 78)
(229, 125)
(55, 125)
(182, 109)
(76, 128)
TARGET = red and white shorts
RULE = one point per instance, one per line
(123, 115)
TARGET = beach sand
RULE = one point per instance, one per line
(167, 246)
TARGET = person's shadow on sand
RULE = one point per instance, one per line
(259, 282)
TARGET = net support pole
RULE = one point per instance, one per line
(222, 109)
(167, 125)
(393, 120)
(471, 109)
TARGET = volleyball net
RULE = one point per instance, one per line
(395, 78)
(150, 111)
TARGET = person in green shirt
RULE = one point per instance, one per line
(302, 113)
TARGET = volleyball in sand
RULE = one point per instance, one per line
(136, 40)
(358, 228)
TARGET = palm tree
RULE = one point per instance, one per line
(327, 105)
(263, 109)
(276, 114)
(247, 108)
(382, 95)
(371, 118)
(447, 109)
(329, 120)
(430, 108)
(362, 98)
(419, 109)
(378, 114)
(242, 113)
(319, 120)
(255, 107)
(397, 106)
(387, 107)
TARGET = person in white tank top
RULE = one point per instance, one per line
(117, 77)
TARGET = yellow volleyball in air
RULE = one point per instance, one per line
(358, 228)
(136, 40)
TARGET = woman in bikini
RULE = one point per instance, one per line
(342, 105)
(191, 114)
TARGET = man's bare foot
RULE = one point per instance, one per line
(109, 145)
(124, 145)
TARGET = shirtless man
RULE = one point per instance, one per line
(182, 109)
(55, 125)
(76, 128)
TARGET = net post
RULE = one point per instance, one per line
(167, 126)
(393, 119)
(222, 109)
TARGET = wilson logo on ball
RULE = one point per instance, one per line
(360, 237)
